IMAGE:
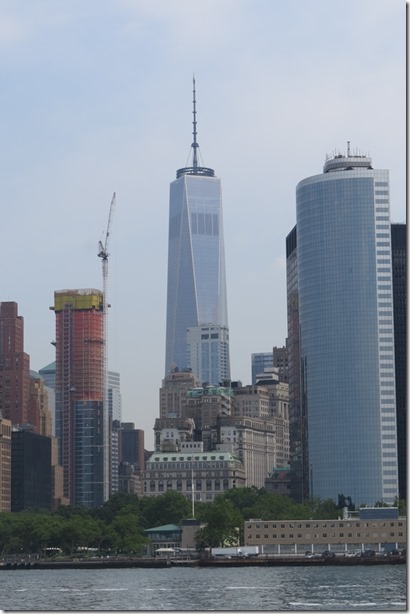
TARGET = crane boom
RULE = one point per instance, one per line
(103, 254)
(103, 248)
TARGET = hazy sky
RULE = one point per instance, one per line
(96, 98)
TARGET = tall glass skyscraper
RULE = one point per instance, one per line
(346, 330)
(196, 259)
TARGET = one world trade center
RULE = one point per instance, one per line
(197, 335)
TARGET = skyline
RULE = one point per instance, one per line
(97, 99)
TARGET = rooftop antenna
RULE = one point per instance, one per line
(194, 144)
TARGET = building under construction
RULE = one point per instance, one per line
(82, 425)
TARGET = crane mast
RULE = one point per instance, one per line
(103, 254)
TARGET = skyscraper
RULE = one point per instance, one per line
(82, 425)
(14, 366)
(298, 447)
(345, 291)
(196, 292)
(399, 255)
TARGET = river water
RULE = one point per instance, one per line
(204, 589)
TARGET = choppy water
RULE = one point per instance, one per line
(184, 589)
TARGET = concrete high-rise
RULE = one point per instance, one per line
(196, 293)
(344, 269)
(82, 425)
(14, 366)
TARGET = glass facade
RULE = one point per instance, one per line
(346, 331)
(196, 263)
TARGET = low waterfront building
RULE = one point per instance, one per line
(380, 529)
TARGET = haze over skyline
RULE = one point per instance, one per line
(97, 98)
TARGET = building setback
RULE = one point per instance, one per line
(82, 425)
(344, 268)
(196, 292)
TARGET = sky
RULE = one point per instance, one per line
(96, 98)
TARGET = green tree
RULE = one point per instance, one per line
(119, 503)
(169, 508)
(222, 524)
(128, 534)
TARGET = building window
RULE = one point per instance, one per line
(179, 485)
(152, 486)
(160, 486)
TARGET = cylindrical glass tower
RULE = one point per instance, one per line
(346, 330)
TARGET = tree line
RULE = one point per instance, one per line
(117, 527)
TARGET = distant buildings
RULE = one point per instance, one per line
(250, 423)
(340, 298)
(263, 362)
(196, 293)
(29, 473)
(259, 362)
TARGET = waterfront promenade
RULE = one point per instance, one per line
(161, 563)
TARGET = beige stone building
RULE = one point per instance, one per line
(193, 472)
(172, 394)
(39, 413)
(57, 489)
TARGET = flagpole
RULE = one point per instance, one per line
(193, 488)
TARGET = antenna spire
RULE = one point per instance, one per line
(194, 144)
(195, 169)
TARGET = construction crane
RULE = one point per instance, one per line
(103, 248)
(103, 254)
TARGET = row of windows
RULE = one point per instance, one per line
(308, 525)
(325, 535)
(209, 485)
